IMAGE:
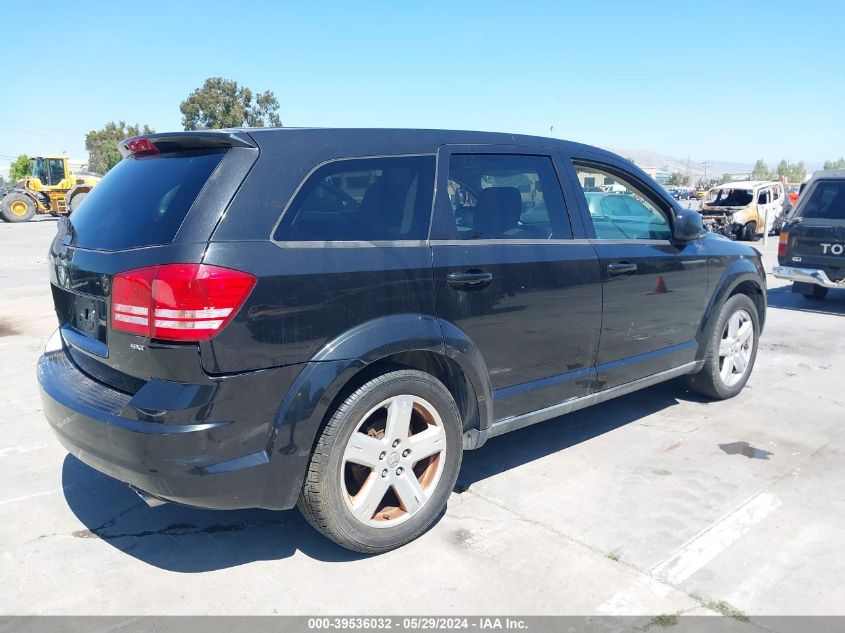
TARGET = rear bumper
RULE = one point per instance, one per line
(807, 275)
(209, 462)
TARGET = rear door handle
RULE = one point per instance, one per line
(621, 268)
(469, 279)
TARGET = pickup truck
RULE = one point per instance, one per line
(811, 251)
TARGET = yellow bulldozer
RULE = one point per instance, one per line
(49, 187)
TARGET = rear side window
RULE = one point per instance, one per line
(142, 201)
(827, 200)
(506, 196)
(366, 199)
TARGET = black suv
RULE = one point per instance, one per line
(811, 251)
(328, 318)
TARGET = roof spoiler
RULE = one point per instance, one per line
(180, 141)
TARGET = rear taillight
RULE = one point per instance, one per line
(141, 147)
(178, 302)
(784, 236)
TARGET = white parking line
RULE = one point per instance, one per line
(32, 496)
(713, 540)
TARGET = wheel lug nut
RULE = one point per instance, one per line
(406, 452)
(382, 455)
(384, 473)
(395, 443)
(400, 470)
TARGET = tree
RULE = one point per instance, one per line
(791, 172)
(834, 164)
(677, 178)
(222, 103)
(797, 172)
(725, 178)
(761, 171)
(102, 144)
(19, 169)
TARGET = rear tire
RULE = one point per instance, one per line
(815, 292)
(731, 350)
(385, 463)
(17, 207)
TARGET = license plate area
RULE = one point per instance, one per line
(87, 315)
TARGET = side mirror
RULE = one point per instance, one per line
(688, 225)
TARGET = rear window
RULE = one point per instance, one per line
(827, 200)
(142, 201)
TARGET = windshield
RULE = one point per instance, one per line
(731, 197)
(827, 201)
(142, 201)
(39, 170)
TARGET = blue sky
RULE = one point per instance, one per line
(714, 80)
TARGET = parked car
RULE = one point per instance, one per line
(329, 318)
(742, 209)
(699, 194)
(811, 250)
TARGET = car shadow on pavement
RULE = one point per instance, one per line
(783, 298)
(502, 453)
(191, 540)
(183, 539)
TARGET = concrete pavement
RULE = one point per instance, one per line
(655, 503)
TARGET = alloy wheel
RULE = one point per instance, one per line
(393, 461)
(735, 347)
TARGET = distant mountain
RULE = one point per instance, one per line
(662, 162)
(715, 168)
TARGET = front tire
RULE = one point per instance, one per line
(749, 232)
(385, 463)
(17, 207)
(731, 350)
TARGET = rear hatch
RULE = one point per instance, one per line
(816, 229)
(150, 218)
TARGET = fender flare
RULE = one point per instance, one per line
(385, 336)
(740, 271)
(300, 416)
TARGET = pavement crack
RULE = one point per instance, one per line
(176, 529)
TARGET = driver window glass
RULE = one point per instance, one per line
(763, 198)
(56, 170)
(619, 210)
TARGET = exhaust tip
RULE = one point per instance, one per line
(147, 498)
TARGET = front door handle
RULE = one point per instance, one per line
(621, 268)
(469, 279)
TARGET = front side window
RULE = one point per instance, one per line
(363, 199)
(506, 196)
(619, 210)
(57, 170)
(763, 197)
